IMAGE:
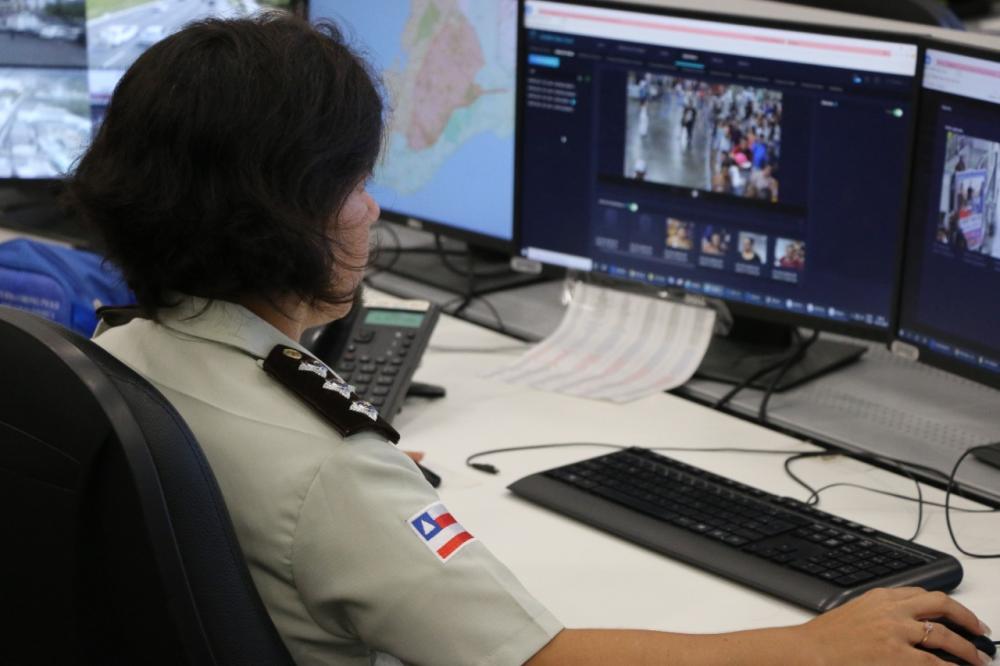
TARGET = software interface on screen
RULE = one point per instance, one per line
(60, 61)
(763, 166)
(951, 286)
(449, 69)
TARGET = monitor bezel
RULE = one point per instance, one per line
(925, 353)
(740, 308)
(472, 238)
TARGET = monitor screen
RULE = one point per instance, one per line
(449, 69)
(764, 166)
(60, 62)
(949, 307)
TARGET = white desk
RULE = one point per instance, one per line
(588, 578)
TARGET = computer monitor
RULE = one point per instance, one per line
(44, 120)
(950, 305)
(449, 69)
(59, 63)
(762, 164)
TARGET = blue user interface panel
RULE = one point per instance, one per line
(764, 166)
(951, 288)
(449, 70)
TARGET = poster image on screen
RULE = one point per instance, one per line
(967, 215)
(44, 121)
(704, 136)
(43, 33)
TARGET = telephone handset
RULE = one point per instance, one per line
(377, 348)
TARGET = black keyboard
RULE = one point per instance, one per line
(778, 545)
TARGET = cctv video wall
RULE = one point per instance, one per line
(60, 61)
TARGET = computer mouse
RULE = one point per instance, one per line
(982, 643)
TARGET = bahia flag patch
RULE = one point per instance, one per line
(439, 531)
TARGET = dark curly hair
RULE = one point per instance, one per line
(227, 150)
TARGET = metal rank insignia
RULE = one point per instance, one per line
(365, 408)
(315, 368)
(337, 385)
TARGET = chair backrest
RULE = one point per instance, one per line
(928, 12)
(118, 548)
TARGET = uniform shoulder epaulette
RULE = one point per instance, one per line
(324, 391)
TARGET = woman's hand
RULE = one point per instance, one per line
(885, 626)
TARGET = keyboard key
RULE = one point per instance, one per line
(854, 578)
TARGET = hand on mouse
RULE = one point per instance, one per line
(885, 626)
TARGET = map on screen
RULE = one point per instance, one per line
(449, 69)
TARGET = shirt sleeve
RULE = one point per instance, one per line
(362, 566)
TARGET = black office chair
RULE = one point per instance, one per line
(117, 547)
(927, 12)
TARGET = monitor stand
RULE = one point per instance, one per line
(458, 268)
(753, 344)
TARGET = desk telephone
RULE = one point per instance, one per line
(377, 348)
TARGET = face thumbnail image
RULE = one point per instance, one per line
(967, 217)
(753, 248)
(710, 137)
(715, 240)
(680, 234)
(790, 254)
(44, 121)
(43, 33)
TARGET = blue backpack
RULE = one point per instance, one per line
(59, 283)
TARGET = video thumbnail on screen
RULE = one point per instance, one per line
(967, 216)
(44, 121)
(705, 136)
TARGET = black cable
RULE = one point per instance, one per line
(491, 469)
(813, 499)
(947, 505)
(799, 456)
(771, 367)
(466, 301)
(470, 273)
(814, 493)
(397, 252)
(888, 493)
(803, 347)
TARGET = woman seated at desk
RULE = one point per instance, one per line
(228, 183)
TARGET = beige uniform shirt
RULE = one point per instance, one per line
(327, 523)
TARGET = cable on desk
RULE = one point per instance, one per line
(491, 469)
(771, 367)
(397, 251)
(814, 493)
(800, 352)
(903, 466)
(947, 505)
(813, 499)
(467, 300)
(889, 493)
(470, 272)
